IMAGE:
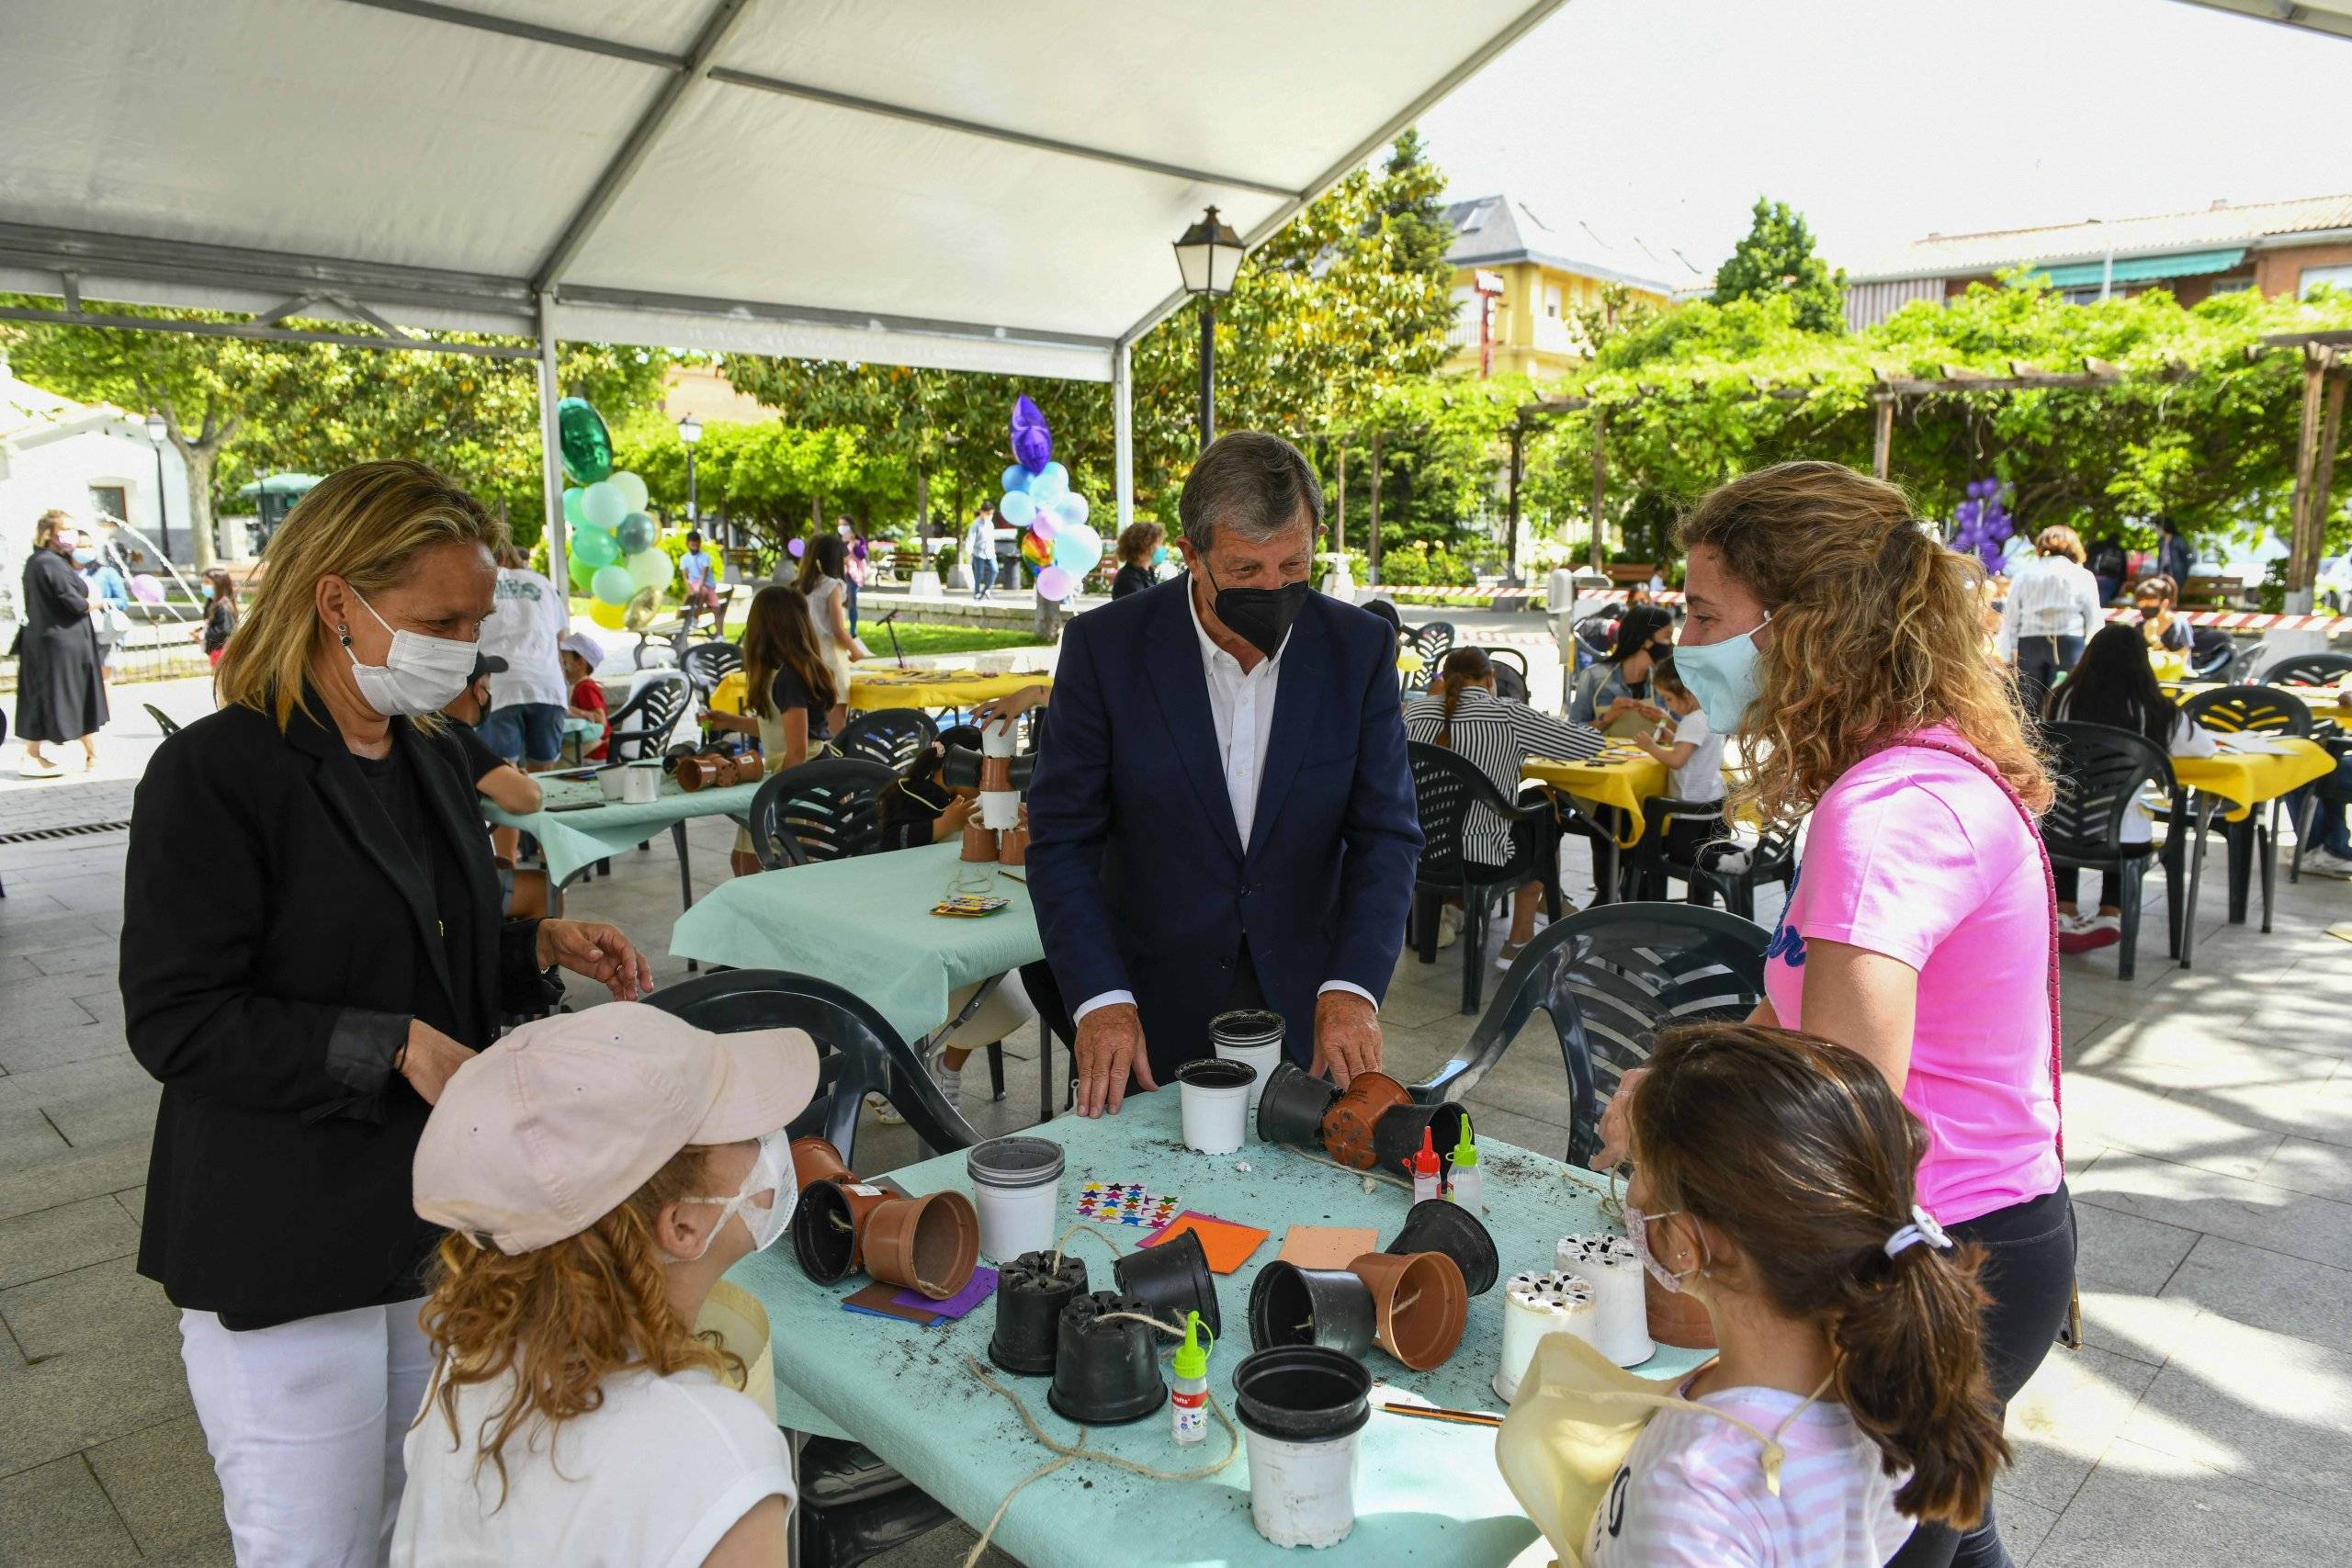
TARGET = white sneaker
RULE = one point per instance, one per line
(883, 1110)
(2074, 922)
(2319, 862)
(949, 1079)
(38, 767)
(1449, 926)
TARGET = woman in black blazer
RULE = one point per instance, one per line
(304, 1000)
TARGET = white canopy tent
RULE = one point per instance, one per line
(954, 183)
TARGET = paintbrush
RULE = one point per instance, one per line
(1434, 1413)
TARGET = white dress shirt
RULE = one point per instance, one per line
(2050, 596)
(1241, 707)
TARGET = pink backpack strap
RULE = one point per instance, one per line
(2050, 886)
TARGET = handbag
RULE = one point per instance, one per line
(1577, 1417)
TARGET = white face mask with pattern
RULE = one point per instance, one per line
(420, 675)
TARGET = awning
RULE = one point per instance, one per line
(2144, 269)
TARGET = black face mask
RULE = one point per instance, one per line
(1260, 616)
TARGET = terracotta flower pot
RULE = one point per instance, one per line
(749, 768)
(1421, 1303)
(928, 1243)
(1348, 1126)
(1013, 847)
(1676, 1317)
(829, 1228)
(815, 1159)
(701, 772)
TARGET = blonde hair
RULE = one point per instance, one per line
(1875, 634)
(2060, 540)
(45, 527)
(366, 525)
(561, 1319)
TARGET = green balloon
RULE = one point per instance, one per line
(571, 512)
(595, 547)
(603, 506)
(635, 532)
(613, 584)
(582, 570)
(586, 445)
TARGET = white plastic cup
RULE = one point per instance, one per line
(1016, 1187)
(640, 787)
(1303, 1494)
(1216, 1094)
(1534, 1305)
(1613, 1269)
(611, 780)
(1253, 1036)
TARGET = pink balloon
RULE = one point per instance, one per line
(1055, 583)
(146, 590)
(797, 548)
(1043, 525)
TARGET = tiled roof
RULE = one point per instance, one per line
(1490, 230)
(2249, 223)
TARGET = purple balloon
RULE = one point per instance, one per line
(797, 548)
(1032, 443)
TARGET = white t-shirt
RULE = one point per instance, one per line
(1692, 1493)
(1700, 778)
(526, 623)
(651, 1478)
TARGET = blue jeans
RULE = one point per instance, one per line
(2329, 830)
(532, 732)
(983, 574)
(849, 588)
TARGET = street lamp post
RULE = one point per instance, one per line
(159, 432)
(690, 432)
(1209, 255)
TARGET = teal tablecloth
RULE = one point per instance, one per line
(865, 924)
(574, 840)
(1426, 1492)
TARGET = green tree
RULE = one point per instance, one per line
(1776, 258)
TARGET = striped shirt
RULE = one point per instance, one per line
(1692, 1492)
(2050, 596)
(1497, 737)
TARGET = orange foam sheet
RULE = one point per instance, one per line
(1229, 1245)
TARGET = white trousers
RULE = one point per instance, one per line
(305, 1423)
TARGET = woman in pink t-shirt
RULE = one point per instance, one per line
(1842, 640)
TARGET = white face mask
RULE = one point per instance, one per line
(420, 675)
(1637, 1231)
(770, 1178)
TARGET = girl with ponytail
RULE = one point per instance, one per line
(1836, 634)
(1773, 1180)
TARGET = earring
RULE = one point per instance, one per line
(343, 631)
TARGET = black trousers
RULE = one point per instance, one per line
(2070, 883)
(2041, 660)
(2031, 1274)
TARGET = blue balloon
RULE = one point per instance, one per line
(1049, 485)
(1016, 477)
(1076, 551)
(1072, 510)
(1017, 508)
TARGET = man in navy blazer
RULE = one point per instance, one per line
(1222, 814)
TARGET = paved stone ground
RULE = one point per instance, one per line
(2209, 1120)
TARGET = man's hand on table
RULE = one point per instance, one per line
(1347, 1036)
(1110, 1045)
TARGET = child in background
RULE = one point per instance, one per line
(1772, 1181)
(580, 654)
(1695, 757)
(788, 695)
(2115, 683)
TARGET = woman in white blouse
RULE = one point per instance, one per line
(2052, 610)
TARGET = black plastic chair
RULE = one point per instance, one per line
(1610, 978)
(1445, 787)
(1772, 858)
(1432, 641)
(164, 721)
(852, 1507)
(641, 725)
(2212, 652)
(828, 808)
(706, 664)
(2309, 669)
(892, 737)
(2100, 772)
(2257, 710)
(1510, 672)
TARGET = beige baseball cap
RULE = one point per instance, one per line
(553, 1127)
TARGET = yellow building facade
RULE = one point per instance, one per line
(1530, 281)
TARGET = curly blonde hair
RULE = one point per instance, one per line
(1875, 634)
(562, 1318)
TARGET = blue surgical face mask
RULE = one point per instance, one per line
(1159, 555)
(1723, 676)
(84, 556)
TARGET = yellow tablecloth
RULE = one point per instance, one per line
(893, 688)
(1615, 778)
(2246, 781)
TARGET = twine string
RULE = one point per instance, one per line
(1081, 1226)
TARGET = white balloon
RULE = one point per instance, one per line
(632, 487)
(651, 569)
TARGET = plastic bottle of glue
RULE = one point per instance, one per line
(1188, 1385)
(1425, 1170)
(1468, 1187)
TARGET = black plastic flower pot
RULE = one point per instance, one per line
(1302, 1393)
(1396, 1137)
(1436, 1225)
(824, 1233)
(1330, 1307)
(1291, 1109)
(1030, 1296)
(1106, 1369)
(1172, 1279)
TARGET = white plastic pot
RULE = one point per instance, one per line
(610, 781)
(639, 786)
(1534, 1305)
(1016, 1187)
(1215, 1099)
